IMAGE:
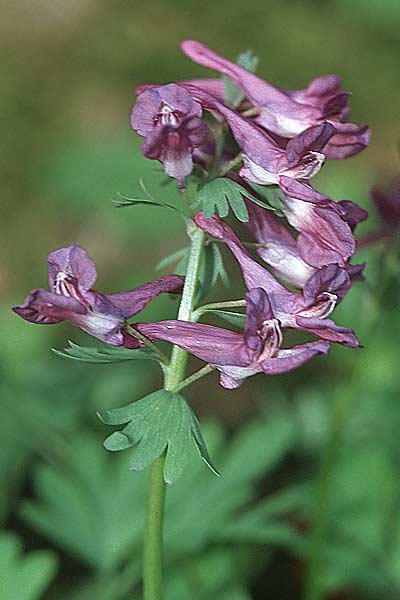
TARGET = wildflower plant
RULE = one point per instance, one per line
(237, 147)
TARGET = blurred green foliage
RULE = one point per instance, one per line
(69, 72)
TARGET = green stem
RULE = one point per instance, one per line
(219, 136)
(153, 533)
(231, 164)
(134, 333)
(174, 374)
(197, 375)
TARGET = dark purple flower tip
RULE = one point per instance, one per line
(356, 272)
(45, 308)
(350, 139)
(387, 202)
(288, 359)
(328, 330)
(352, 213)
(313, 139)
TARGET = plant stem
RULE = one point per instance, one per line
(197, 375)
(176, 371)
(216, 306)
(174, 374)
(232, 164)
(153, 546)
(219, 136)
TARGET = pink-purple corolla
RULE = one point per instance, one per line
(71, 277)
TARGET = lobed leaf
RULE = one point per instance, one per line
(108, 354)
(158, 422)
(24, 577)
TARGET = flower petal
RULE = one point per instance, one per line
(45, 308)
(214, 345)
(326, 329)
(131, 302)
(74, 262)
(292, 358)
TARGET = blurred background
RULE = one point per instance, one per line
(71, 513)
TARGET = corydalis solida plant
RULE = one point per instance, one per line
(279, 141)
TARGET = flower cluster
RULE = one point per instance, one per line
(281, 138)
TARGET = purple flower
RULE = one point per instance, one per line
(265, 160)
(307, 311)
(387, 203)
(288, 113)
(170, 120)
(71, 276)
(324, 226)
(280, 250)
(235, 355)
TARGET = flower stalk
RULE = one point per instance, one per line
(174, 375)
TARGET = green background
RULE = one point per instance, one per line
(69, 71)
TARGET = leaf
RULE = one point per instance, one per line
(158, 422)
(172, 258)
(220, 194)
(272, 195)
(92, 508)
(126, 201)
(233, 94)
(108, 354)
(252, 454)
(216, 195)
(212, 268)
(237, 319)
(148, 199)
(24, 577)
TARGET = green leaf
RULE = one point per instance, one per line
(146, 198)
(237, 319)
(108, 354)
(172, 258)
(234, 95)
(92, 507)
(220, 194)
(212, 268)
(215, 195)
(24, 577)
(272, 195)
(126, 201)
(160, 421)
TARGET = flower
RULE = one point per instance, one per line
(281, 251)
(71, 276)
(288, 113)
(387, 203)
(170, 120)
(265, 160)
(235, 355)
(307, 311)
(325, 227)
